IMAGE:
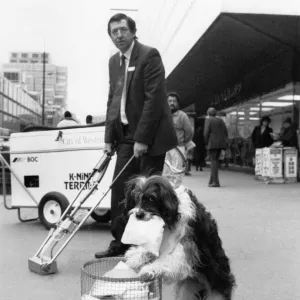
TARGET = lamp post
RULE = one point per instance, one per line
(44, 78)
(44, 83)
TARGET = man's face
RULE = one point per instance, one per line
(173, 103)
(121, 35)
(265, 123)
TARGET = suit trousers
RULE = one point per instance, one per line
(144, 165)
(214, 155)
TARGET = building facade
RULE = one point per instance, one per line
(17, 108)
(241, 57)
(26, 70)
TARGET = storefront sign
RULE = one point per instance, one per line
(290, 164)
(228, 93)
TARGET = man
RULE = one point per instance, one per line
(182, 124)
(215, 136)
(67, 120)
(138, 118)
(89, 119)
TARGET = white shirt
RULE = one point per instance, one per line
(67, 123)
(127, 55)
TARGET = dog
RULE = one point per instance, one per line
(191, 253)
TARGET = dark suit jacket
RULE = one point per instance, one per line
(215, 133)
(261, 140)
(148, 113)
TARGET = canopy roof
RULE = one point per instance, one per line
(239, 57)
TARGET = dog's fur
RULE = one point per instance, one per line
(191, 253)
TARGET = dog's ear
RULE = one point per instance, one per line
(132, 192)
(170, 203)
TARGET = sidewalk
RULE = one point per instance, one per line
(259, 225)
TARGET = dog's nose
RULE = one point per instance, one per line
(140, 215)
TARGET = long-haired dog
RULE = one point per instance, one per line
(191, 253)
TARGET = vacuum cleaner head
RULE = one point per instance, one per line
(36, 265)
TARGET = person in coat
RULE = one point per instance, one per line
(262, 135)
(215, 137)
(138, 118)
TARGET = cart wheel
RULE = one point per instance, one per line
(101, 216)
(51, 208)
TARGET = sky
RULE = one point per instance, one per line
(74, 32)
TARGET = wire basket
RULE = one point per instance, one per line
(94, 285)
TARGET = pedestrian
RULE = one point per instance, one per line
(138, 117)
(89, 119)
(183, 127)
(261, 136)
(67, 121)
(215, 137)
(288, 135)
(199, 152)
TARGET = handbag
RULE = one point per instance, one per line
(222, 155)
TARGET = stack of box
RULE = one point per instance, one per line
(258, 164)
(276, 165)
(272, 165)
(290, 164)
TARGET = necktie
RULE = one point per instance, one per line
(117, 97)
(123, 95)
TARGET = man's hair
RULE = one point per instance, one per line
(89, 119)
(174, 94)
(288, 120)
(118, 18)
(212, 112)
(67, 114)
(265, 118)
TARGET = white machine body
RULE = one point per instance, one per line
(44, 163)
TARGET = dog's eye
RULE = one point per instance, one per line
(151, 198)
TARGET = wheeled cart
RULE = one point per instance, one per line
(49, 167)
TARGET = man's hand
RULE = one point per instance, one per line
(139, 149)
(107, 148)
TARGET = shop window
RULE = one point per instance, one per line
(24, 55)
(242, 118)
(12, 76)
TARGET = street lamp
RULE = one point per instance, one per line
(44, 78)
(44, 82)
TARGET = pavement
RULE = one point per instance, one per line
(259, 225)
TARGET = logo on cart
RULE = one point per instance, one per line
(78, 180)
(25, 159)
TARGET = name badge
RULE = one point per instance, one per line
(131, 69)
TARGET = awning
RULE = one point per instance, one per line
(239, 57)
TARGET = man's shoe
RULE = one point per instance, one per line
(110, 252)
(214, 185)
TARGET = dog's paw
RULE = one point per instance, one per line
(147, 273)
(136, 257)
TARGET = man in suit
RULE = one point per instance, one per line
(138, 117)
(215, 136)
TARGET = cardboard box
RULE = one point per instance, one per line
(272, 171)
(258, 164)
(290, 164)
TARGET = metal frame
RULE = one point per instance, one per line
(5, 165)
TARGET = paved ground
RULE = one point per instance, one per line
(259, 225)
